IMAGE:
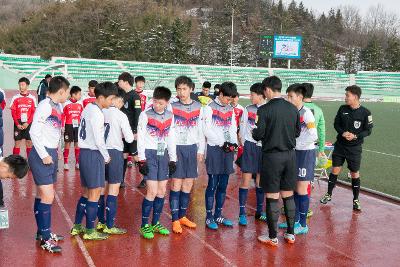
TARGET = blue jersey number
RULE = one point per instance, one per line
(82, 132)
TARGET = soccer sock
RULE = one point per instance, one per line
(91, 214)
(183, 204)
(28, 150)
(44, 220)
(355, 184)
(331, 183)
(220, 194)
(66, 154)
(157, 209)
(272, 211)
(36, 211)
(309, 190)
(304, 204)
(174, 204)
(77, 151)
(297, 204)
(101, 209)
(260, 199)
(210, 194)
(111, 210)
(80, 210)
(242, 200)
(290, 210)
(147, 205)
(16, 150)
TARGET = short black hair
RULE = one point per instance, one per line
(272, 82)
(140, 79)
(126, 77)
(236, 94)
(184, 80)
(121, 93)
(24, 80)
(257, 88)
(161, 92)
(297, 88)
(309, 90)
(93, 83)
(17, 165)
(355, 90)
(105, 89)
(207, 84)
(228, 89)
(217, 86)
(57, 83)
(74, 89)
(47, 76)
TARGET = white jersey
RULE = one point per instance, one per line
(219, 124)
(248, 123)
(157, 132)
(188, 119)
(91, 130)
(308, 134)
(117, 126)
(46, 126)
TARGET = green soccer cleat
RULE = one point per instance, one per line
(77, 229)
(261, 217)
(356, 205)
(147, 232)
(326, 198)
(114, 230)
(310, 213)
(100, 226)
(159, 228)
(92, 234)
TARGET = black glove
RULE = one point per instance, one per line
(143, 167)
(229, 147)
(172, 167)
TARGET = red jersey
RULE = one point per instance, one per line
(143, 99)
(3, 103)
(88, 100)
(72, 112)
(22, 108)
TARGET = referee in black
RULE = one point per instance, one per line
(278, 125)
(353, 123)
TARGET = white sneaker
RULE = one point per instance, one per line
(269, 241)
(77, 166)
(66, 167)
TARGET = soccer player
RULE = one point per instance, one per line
(43, 160)
(353, 123)
(22, 107)
(13, 167)
(140, 82)
(132, 109)
(71, 118)
(278, 126)
(251, 158)
(116, 128)
(91, 95)
(220, 130)
(204, 96)
(43, 87)
(190, 142)
(92, 159)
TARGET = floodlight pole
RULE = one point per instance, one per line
(233, 11)
(288, 64)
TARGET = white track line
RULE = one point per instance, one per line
(386, 154)
(81, 245)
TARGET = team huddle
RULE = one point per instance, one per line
(272, 140)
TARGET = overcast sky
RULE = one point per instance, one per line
(363, 5)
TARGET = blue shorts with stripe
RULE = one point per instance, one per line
(43, 174)
(91, 168)
(218, 161)
(251, 158)
(114, 171)
(305, 162)
(186, 164)
(158, 165)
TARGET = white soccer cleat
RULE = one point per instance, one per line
(66, 167)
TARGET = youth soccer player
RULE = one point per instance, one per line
(190, 142)
(22, 107)
(93, 157)
(71, 118)
(251, 157)
(157, 159)
(91, 95)
(13, 167)
(353, 123)
(220, 130)
(43, 160)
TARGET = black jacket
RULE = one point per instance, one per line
(42, 88)
(132, 108)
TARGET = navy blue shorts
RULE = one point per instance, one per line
(92, 168)
(115, 169)
(251, 158)
(158, 165)
(218, 161)
(305, 162)
(186, 164)
(43, 174)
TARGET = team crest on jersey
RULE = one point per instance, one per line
(126, 105)
(357, 124)
(66, 137)
(137, 104)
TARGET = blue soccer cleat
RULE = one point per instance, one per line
(284, 225)
(224, 221)
(300, 230)
(211, 224)
(243, 220)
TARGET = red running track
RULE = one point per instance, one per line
(337, 237)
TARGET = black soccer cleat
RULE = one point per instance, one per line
(356, 205)
(50, 246)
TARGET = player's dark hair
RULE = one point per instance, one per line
(93, 83)
(126, 77)
(24, 80)
(121, 93)
(161, 92)
(74, 89)
(309, 90)
(355, 90)
(184, 80)
(228, 89)
(297, 88)
(105, 89)
(17, 165)
(140, 79)
(57, 83)
(272, 82)
(258, 89)
(236, 94)
(47, 76)
(217, 86)
(207, 84)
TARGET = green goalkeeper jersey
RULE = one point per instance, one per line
(319, 122)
